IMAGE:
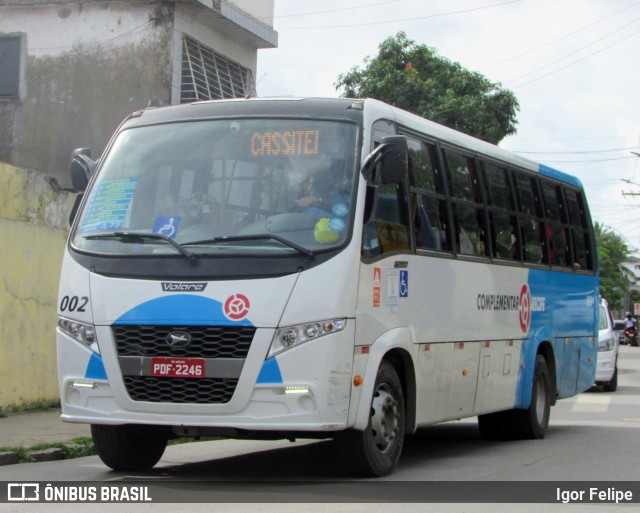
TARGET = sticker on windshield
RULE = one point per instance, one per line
(167, 226)
(107, 209)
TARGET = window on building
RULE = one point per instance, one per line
(10, 57)
(207, 75)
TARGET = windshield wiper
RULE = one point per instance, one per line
(242, 238)
(140, 237)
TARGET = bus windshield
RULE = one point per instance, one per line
(276, 186)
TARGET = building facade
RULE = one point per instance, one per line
(72, 70)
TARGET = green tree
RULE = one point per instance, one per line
(415, 78)
(612, 253)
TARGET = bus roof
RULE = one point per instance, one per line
(339, 108)
(459, 139)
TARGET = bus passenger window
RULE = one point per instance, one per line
(556, 224)
(580, 233)
(467, 204)
(428, 200)
(502, 214)
(387, 231)
(469, 240)
(531, 222)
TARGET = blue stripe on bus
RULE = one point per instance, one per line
(95, 368)
(270, 372)
(568, 325)
(180, 309)
(559, 175)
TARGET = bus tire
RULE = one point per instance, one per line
(129, 447)
(533, 422)
(375, 451)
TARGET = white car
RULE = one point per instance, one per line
(607, 363)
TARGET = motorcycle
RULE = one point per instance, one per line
(631, 336)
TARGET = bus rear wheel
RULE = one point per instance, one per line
(376, 450)
(532, 423)
(129, 447)
(518, 424)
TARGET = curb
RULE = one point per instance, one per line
(9, 458)
(41, 455)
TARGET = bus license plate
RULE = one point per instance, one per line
(177, 367)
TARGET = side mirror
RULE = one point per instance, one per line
(395, 159)
(82, 167)
(393, 156)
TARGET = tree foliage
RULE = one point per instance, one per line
(413, 77)
(612, 253)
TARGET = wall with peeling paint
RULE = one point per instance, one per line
(88, 66)
(91, 63)
(33, 231)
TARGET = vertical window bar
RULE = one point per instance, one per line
(207, 75)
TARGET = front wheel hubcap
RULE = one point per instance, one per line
(384, 418)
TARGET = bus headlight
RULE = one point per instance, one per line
(291, 336)
(80, 331)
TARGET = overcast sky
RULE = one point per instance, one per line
(574, 66)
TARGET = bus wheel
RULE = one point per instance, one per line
(129, 447)
(376, 450)
(532, 423)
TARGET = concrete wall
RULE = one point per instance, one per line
(261, 10)
(90, 63)
(33, 230)
(88, 66)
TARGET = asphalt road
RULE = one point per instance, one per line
(592, 438)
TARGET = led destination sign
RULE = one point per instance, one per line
(297, 142)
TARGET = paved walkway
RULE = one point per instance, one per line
(26, 429)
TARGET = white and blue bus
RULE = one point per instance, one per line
(318, 268)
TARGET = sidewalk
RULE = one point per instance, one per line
(26, 429)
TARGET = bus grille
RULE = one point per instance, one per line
(177, 390)
(206, 341)
(209, 342)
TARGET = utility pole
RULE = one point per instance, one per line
(630, 182)
(630, 193)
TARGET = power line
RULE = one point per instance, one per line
(332, 11)
(577, 61)
(577, 51)
(559, 38)
(404, 20)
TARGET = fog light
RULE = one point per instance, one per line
(296, 390)
(84, 384)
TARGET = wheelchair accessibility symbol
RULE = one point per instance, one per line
(167, 226)
(404, 283)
